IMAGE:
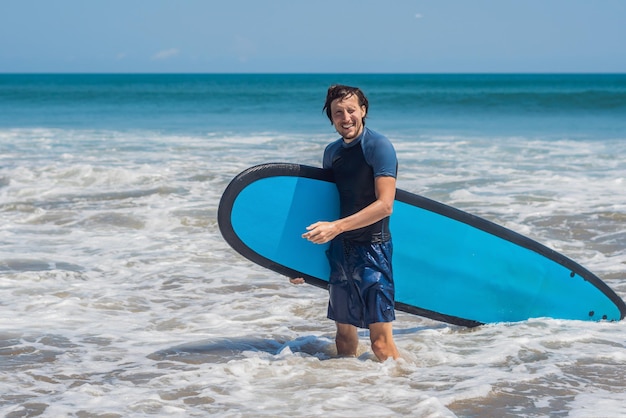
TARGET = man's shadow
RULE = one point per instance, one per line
(227, 349)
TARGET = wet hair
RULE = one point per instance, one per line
(339, 91)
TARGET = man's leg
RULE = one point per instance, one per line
(381, 336)
(347, 340)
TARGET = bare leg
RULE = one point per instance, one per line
(347, 340)
(381, 336)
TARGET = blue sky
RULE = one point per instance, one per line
(340, 36)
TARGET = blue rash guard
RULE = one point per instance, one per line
(361, 288)
(355, 167)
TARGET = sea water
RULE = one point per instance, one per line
(119, 298)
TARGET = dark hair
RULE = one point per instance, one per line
(339, 91)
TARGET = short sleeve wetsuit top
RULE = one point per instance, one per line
(355, 167)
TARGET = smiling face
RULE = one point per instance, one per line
(347, 117)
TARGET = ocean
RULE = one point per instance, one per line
(119, 297)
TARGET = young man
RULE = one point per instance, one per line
(361, 284)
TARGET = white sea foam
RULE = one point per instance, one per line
(118, 295)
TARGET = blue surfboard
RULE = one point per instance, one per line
(448, 265)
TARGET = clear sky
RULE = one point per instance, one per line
(312, 36)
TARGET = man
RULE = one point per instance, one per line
(361, 287)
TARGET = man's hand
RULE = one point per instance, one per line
(321, 232)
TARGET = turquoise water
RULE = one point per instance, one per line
(119, 297)
(589, 105)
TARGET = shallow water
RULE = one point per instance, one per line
(118, 296)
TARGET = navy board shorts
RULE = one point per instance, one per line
(361, 285)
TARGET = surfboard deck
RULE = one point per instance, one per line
(448, 265)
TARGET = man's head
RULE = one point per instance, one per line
(346, 108)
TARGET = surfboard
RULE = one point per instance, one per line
(448, 265)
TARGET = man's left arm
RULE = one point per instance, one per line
(385, 186)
